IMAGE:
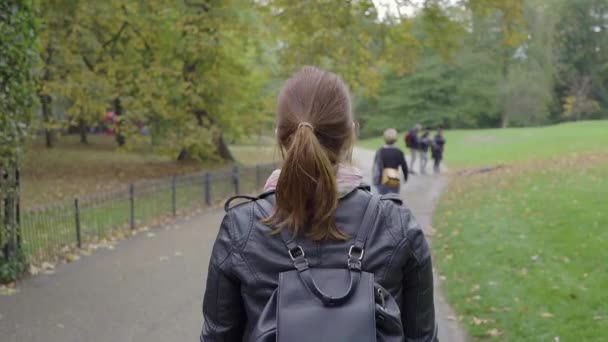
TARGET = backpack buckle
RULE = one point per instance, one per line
(358, 250)
(296, 253)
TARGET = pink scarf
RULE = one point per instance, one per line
(348, 178)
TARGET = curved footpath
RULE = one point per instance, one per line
(149, 288)
(420, 194)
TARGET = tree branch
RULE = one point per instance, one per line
(116, 36)
(204, 5)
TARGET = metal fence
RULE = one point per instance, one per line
(51, 231)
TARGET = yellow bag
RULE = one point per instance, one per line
(391, 178)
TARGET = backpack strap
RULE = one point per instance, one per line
(243, 197)
(355, 254)
(356, 251)
(296, 253)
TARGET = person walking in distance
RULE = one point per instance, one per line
(317, 256)
(437, 150)
(389, 158)
(411, 142)
(424, 142)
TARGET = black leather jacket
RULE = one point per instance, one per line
(246, 261)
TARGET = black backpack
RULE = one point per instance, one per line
(319, 304)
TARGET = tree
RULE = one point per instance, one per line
(501, 27)
(345, 37)
(581, 39)
(17, 87)
(579, 103)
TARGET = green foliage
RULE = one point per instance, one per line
(17, 86)
(17, 56)
(345, 37)
(189, 71)
(581, 39)
(14, 268)
(490, 63)
(439, 93)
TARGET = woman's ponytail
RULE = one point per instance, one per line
(314, 129)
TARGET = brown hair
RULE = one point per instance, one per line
(314, 130)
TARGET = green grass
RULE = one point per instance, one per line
(488, 147)
(525, 249)
(255, 154)
(522, 249)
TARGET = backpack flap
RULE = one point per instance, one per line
(302, 317)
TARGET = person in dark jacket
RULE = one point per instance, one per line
(437, 150)
(389, 157)
(320, 199)
(413, 144)
(424, 142)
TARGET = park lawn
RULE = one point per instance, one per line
(71, 169)
(523, 251)
(490, 147)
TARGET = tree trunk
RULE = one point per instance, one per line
(45, 100)
(49, 138)
(118, 111)
(504, 120)
(504, 123)
(47, 115)
(222, 148)
(82, 128)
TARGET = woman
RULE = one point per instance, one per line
(437, 150)
(387, 162)
(319, 200)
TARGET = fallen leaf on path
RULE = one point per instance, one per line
(150, 235)
(34, 270)
(7, 291)
(164, 258)
(479, 321)
(72, 257)
(47, 266)
(452, 318)
(60, 326)
(546, 315)
(178, 254)
(495, 332)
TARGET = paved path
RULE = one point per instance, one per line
(149, 288)
(420, 194)
(140, 291)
